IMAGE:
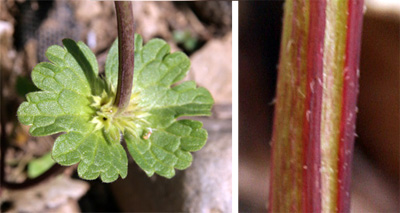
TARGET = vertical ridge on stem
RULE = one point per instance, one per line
(349, 103)
(312, 134)
(335, 36)
(314, 119)
(292, 85)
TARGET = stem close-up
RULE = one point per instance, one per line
(126, 36)
(315, 111)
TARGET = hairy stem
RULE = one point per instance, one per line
(315, 109)
(126, 37)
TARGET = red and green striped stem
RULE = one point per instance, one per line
(315, 111)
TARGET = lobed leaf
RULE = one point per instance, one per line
(74, 101)
(155, 71)
(96, 156)
(167, 148)
(68, 83)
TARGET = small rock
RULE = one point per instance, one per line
(87, 10)
(104, 30)
(48, 196)
(152, 22)
(6, 28)
(212, 68)
(6, 43)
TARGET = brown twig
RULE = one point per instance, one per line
(126, 44)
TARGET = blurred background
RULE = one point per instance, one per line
(200, 29)
(375, 182)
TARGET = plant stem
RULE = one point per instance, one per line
(126, 37)
(315, 109)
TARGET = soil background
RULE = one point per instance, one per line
(201, 29)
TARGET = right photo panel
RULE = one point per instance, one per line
(319, 106)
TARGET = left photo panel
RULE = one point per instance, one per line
(116, 106)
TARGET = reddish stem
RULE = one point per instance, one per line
(312, 125)
(350, 93)
(126, 41)
(315, 109)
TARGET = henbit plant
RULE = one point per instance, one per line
(315, 109)
(93, 112)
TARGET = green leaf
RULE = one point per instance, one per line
(167, 148)
(40, 165)
(63, 105)
(171, 141)
(111, 68)
(76, 102)
(96, 156)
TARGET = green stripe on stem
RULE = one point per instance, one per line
(315, 109)
(335, 42)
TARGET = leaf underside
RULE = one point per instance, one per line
(69, 83)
